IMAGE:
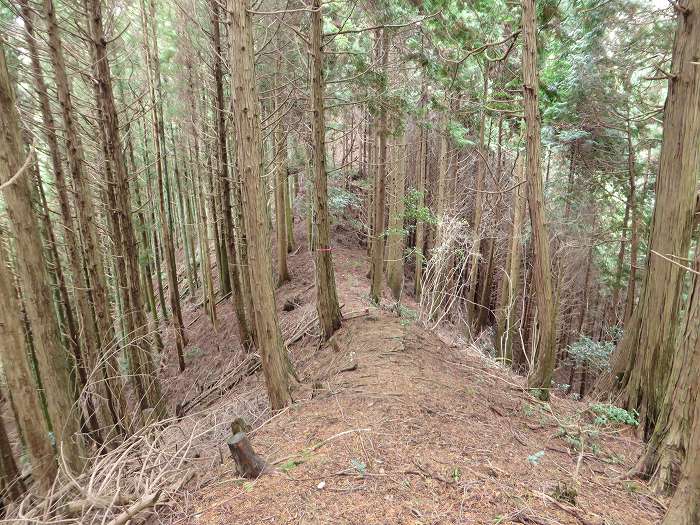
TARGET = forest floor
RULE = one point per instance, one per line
(393, 423)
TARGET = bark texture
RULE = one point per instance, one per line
(643, 360)
(541, 377)
(52, 359)
(327, 306)
(246, 116)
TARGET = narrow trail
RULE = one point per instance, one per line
(394, 424)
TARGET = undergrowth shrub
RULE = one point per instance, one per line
(594, 354)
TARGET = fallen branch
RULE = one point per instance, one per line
(144, 503)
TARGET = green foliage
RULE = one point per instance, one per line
(359, 466)
(290, 464)
(594, 354)
(610, 414)
(534, 459)
(407, 315)
(340, 199)
(414, 211)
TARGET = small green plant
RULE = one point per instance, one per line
(594, 354)
(406, 314)
(610, 415)
(340, 199)
(528, 410)
(359, 466)
(290, 464)
(534, 459)
(414, 211)
(456, 474)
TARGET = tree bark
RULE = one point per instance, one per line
(540, 378)
(232, 257)
(115, 156)
(642, 363)
(51, 357)
(326, 295)
(510, 283)
(396, 232)
(670, 442)
(378, 232)
(164, 211)
(281, 183)
(20, 383)
(246, 116)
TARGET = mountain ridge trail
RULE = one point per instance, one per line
(393, 423)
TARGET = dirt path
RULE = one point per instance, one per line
(420, 433)
(393, 425)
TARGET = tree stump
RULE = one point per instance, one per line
(248, 463)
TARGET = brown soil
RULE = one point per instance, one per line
(421, 431)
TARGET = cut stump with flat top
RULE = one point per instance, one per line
(248, 463)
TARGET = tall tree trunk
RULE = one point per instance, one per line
(232, 257)
(479, 200)
(642, 364)
(420, 202)
(396, 232)
(670, 441)
(152, 68)
(51, 357)
(246, 116)
(87, 221)
(541, 377)
(623, 242)
(11, 482)
(25, 395)
(115, 156)
(378, 233)
(510, 283)
(326, 295)
(281, 184)
(290, 183)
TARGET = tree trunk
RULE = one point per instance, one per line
(51, 357)
(281, 184)
(246, 116)
(11, 482)
(510, 283)
(87, 219)
(642, 363)
(20, 383)
(115, 156)
(326, 295)
(541, 377)
(378, 233)
(396, 232)
(483, 155)
(623, 242)
(151, 65)
(232, 257)
(420, 226)
(669, 443)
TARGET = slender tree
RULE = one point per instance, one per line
(246, 117)
(326, 295)
(541, 377)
